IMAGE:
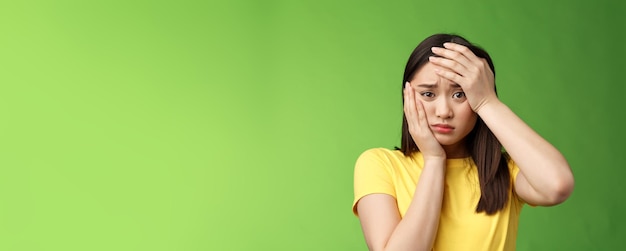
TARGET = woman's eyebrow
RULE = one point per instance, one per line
(426, 85)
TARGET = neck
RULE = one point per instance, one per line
(456, 151)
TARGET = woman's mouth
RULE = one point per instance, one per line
(442, 128)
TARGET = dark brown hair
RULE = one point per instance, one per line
(483, 146)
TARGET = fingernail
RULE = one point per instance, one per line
(447, 44)
(406, 84)
(431, 58)
(435, 49)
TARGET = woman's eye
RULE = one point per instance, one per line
(427, 94)
(458, 95)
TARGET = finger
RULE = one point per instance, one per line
(411, 101)
(417, 119)
(450, 64)
(421, 114)
(476, 63)
(449, 75)
(408, 102)
(461, 49)
(452, 55)
(411, 109)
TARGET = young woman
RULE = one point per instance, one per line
(450, 186)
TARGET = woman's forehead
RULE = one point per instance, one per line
(426, 75)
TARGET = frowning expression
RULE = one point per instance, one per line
(448, 113)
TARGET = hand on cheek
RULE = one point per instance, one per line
(419, 127)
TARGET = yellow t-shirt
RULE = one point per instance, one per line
(385, 171)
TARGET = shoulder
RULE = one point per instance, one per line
(379, 151)
(383, 158)
(513, 172)
(381, 155)
(513, 168)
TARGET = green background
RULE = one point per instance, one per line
(234, 125)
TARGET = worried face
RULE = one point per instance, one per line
(448, 113)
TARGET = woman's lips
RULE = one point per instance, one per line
(442, 128)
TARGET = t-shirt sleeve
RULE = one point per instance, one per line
(514, 170)
(372, 175)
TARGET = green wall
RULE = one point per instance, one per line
(234, 125)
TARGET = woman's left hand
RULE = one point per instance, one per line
(458, 64)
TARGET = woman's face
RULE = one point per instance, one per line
(447, 111)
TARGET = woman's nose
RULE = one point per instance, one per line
(443, 110)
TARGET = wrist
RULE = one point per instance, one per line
(435, 158)
(486, 105)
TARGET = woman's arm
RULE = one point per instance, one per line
(546, 178)
(382, 226)
(385, 230)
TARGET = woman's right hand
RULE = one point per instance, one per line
(419, 127)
